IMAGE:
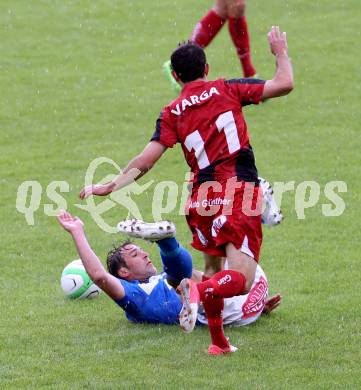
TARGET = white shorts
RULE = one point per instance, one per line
(243, 309)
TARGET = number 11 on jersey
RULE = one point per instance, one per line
(224, 122)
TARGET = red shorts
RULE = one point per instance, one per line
(219, 213)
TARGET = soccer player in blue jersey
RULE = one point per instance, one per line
(133, 283)
(132, 280)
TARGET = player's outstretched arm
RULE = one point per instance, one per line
(107, 282)
(135, 169)
(282, 82)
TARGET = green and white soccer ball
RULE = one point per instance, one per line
(76, 283)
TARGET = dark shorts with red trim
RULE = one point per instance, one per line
(230, 212)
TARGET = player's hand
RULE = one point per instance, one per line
(96, 189)
(277, 41)
(69, 223)
(272, 303)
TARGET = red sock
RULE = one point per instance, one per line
(213, 308)
(239, 34)
(207, 28)
(223, 284)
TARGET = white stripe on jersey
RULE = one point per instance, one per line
(153, 281)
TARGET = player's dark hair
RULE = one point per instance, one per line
(188, 61)
(115, 259)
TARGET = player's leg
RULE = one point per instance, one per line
(176, 260)
(188, 288)
(212, 265)
(204, 32)
(242, 271)
(208, 27)
(225, 284)
(213, 302)
(238, 30)
(246, 232)
(240, 239)
(213, 306)
(220, 8)
(237, 280)
(147, 231)
(192, 294)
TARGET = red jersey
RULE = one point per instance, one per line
(207, 120)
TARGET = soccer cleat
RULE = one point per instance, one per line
(190, 298)
(271, 214)
(215, 350)
(154, 231)
(168, 72)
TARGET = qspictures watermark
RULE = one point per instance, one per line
(165, 197)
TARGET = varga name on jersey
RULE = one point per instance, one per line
(194, 99)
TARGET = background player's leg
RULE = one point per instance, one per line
(238, 30)
(208, 27)
(204, 32)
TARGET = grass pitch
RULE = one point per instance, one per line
(83, 79)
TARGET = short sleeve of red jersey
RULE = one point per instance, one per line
(248, 91)
(165, 132)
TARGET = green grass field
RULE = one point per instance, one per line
(82, 79)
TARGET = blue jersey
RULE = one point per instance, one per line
(154, 302)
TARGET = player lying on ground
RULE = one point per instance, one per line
(207, 120)
(209, 26)
(147, 297)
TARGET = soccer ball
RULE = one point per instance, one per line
(76, 283)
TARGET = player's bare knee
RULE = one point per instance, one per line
(236, 8)
(248, 285)
(212, 265)
(220, 8)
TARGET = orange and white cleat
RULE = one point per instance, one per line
(190, 298)
(215, 350)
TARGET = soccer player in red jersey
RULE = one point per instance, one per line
(211, 23)
(223, 211)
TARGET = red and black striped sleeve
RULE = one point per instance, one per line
(165, 132)
(248, 91)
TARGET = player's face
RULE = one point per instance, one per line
(138, 262)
